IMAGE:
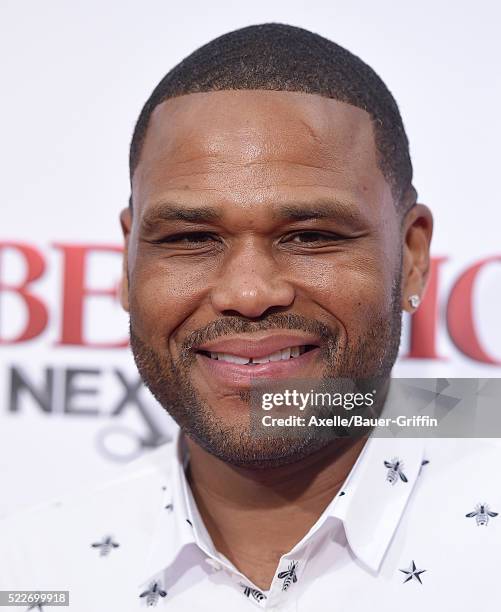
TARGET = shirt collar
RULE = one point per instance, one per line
(368, 505)
(371, 503)
(173, 529)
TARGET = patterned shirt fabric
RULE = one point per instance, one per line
(415, 526)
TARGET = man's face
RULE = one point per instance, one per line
(262, 226)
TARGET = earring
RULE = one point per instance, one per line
(414, 300)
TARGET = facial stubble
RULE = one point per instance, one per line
(169, 380)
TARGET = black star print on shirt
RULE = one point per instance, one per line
(412, 573)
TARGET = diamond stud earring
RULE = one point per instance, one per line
(414, 300)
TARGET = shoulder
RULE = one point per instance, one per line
(462, 459)
(457, 476)
(40, 543)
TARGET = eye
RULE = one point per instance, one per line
(188, 239)
(314, 237)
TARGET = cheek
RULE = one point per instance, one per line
(163, 295)
(354, 288)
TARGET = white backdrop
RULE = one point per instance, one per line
(74, 77)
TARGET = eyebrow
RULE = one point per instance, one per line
(319, 209)
(168, 211)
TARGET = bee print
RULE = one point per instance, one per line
(153, 593)
(395, 471)
(105, 546)
(250, 592)
(289, 576)
(482, 514)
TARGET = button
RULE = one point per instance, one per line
(213, 563)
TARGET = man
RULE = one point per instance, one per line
(273, 234)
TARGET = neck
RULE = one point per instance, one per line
(255, 516)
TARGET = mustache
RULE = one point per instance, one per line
(236, 325)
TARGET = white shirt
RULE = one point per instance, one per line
(390, 540)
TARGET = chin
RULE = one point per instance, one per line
(243, 450)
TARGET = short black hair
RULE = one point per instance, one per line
(279, 57)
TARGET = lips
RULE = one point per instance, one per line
(236, 361)
(255, 347)
(284, 354)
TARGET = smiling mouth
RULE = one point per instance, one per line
(285, 354)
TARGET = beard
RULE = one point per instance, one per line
(371, 356)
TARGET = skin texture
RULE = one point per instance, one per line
(255, 267)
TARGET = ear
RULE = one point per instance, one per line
(126, 224)
(417, 228)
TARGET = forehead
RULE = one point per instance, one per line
(250, 145)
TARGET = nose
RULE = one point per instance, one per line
(250, 283)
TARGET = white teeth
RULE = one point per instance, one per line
(273, 357)
(232, 358)
(284, 354)
(261, 359)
